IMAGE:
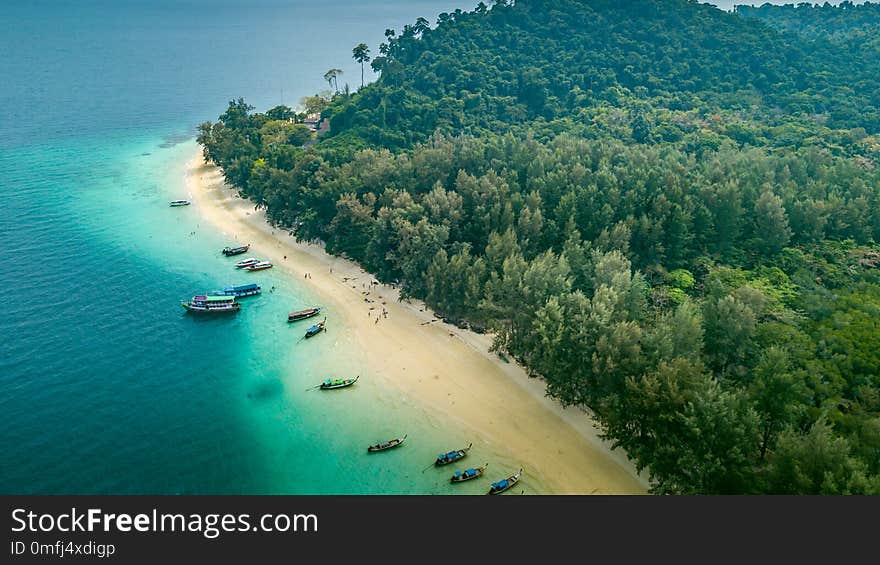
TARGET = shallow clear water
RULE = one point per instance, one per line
(106, 385)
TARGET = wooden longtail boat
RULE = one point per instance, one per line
(175, 203)
(452, 456)
(303, 314)
(230, 251)
(212, 304)
(331, 384)
(316, 329)
(501, 486)
(468, 474)
(386, 445)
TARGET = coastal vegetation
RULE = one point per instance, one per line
(668, 212)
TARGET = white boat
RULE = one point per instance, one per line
(180, 203)
(212, 304)
(247, 263)
(259, 266)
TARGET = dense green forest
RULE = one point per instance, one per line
(666, 211)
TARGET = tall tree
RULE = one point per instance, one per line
(361, 54)
(771, 223)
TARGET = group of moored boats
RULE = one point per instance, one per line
(442, 460)
(451, 457)
(224, 300)
(220, 301)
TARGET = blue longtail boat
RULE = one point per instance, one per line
(501, 486)
(452, 456)
(468, 474)
(316, 329)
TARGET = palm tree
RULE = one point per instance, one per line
(332, 78)
(361, 54)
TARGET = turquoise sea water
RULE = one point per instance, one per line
(106, 386)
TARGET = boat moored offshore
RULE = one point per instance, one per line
(468, 474)
(386, 445)
(211, 304)
(452, 456)
(503, 485)
(247, 263)
(303, 314)
(259, 266)
(239, 291)
(175, 203)
(332, 384)
(316, 329)
(229, 251)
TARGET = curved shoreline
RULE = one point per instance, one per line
(447, 369)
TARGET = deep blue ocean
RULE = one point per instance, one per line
(106, 386)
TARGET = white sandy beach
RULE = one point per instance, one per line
(448, 370)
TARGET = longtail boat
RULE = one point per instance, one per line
(501, 486)
(239, 291)
(316, 329)
(175, 203)
(230, 251)
(247, 263)
(386, 445)
(452, 456)
(259, 266)
(331, 384)
(212, 304)
(303, 314)
(468, 474)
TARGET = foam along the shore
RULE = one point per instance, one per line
(448, 370)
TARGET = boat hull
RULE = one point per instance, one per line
(463, 477)
(312, 332)
(202, 310)
(452, 456)
(238, 293)
(246, 263)
(397, 442)
(230, 251)
(305, 315)
(335, 386)
(511, 482)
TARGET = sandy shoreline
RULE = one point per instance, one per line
(448, 370)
